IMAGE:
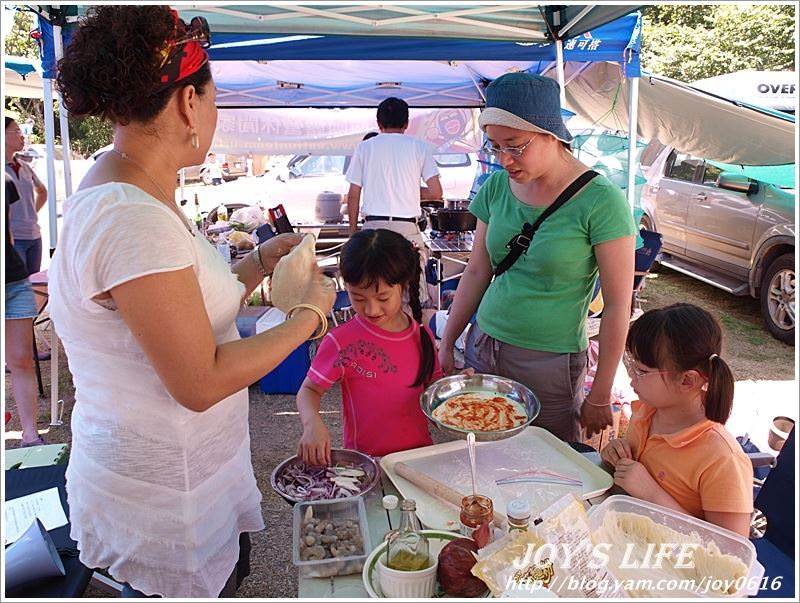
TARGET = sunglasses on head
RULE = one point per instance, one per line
(197, 31)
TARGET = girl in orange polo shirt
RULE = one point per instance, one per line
(677, 452)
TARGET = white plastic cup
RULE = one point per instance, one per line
(399, 584)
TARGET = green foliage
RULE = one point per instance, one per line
(19, 43)
(88, 134)
(692, 42)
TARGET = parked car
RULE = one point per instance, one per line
(733, 232)
(233, 166)
(304, 177)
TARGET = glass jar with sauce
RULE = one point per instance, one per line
(476, 511)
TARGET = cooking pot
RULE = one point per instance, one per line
(431, 204)
(456, 203)
(453, 220)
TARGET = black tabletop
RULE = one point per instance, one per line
(20, 482)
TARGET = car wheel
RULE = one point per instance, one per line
(777, 298)
(647, 224)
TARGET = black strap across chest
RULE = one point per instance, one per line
(520, 242)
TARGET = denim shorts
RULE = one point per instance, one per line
(19, 300)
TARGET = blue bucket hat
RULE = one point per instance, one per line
(526, 102)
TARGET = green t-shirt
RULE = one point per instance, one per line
(542, 301)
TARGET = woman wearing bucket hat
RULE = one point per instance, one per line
(531, 313)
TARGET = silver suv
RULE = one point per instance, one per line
(725, 229)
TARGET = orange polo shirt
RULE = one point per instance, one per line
(702, 467)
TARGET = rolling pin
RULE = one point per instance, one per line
(441, 491)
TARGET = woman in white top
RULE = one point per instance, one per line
(160, 481)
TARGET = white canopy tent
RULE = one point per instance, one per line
(774, 89)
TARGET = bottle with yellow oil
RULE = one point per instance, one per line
(408, 549)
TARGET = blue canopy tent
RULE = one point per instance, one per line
(472, 43)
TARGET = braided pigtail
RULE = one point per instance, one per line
(426, 364)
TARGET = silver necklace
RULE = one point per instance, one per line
(164, 196)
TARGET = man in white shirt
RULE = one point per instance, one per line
(385, 174)
(386, 170)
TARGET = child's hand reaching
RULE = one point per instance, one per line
(315, 445)
(635, 479)
(468, 372)
(615, 450)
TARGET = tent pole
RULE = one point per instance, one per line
(49, 137)
(560, 71)
(58, 44)
(633, 116)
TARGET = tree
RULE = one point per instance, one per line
(87, 134)
(19, 42)
(692, 42)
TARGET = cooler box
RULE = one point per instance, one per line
(287, 377)
(247, 318)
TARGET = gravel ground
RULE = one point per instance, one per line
(275, 428)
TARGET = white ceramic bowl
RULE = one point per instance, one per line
(399, 584)
(437, 539)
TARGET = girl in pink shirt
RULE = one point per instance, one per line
(383, 358)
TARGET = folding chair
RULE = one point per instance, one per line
(645, 258)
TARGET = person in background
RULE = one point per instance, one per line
(677, 452)
(32, 194)
(160, 479)
(383, 358)
(20, 310)
(214, 169)
(531, 318)
(384, 177)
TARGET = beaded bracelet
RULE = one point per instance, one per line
(259, 263)
(320, 314)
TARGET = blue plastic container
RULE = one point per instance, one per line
(288, 376)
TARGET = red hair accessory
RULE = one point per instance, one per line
(184, 53)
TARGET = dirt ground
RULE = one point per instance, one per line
(752, 353)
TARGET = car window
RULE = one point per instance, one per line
(710, 174)
(319, 165)
(452, 160)
(682, 166)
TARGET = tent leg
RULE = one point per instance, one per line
(633, 116)
(560, 72)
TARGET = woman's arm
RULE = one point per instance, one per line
(167, 315)
(315, 444)
(615, 260)
(473, 284)
(247, 269)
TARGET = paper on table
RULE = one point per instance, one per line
(20, 513)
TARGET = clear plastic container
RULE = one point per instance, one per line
(338, 511)
(728, 542)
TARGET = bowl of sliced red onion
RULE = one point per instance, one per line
(351, 473)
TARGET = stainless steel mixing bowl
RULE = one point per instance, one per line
(447, 387)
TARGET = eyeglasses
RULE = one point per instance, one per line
(490, 148)
(636, 373)
(197, 31)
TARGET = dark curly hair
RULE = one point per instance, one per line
(110, 67)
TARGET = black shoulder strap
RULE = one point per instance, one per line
(520, 242)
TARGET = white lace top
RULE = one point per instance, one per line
(157, 493)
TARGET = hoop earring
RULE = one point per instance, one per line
(195, 139)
